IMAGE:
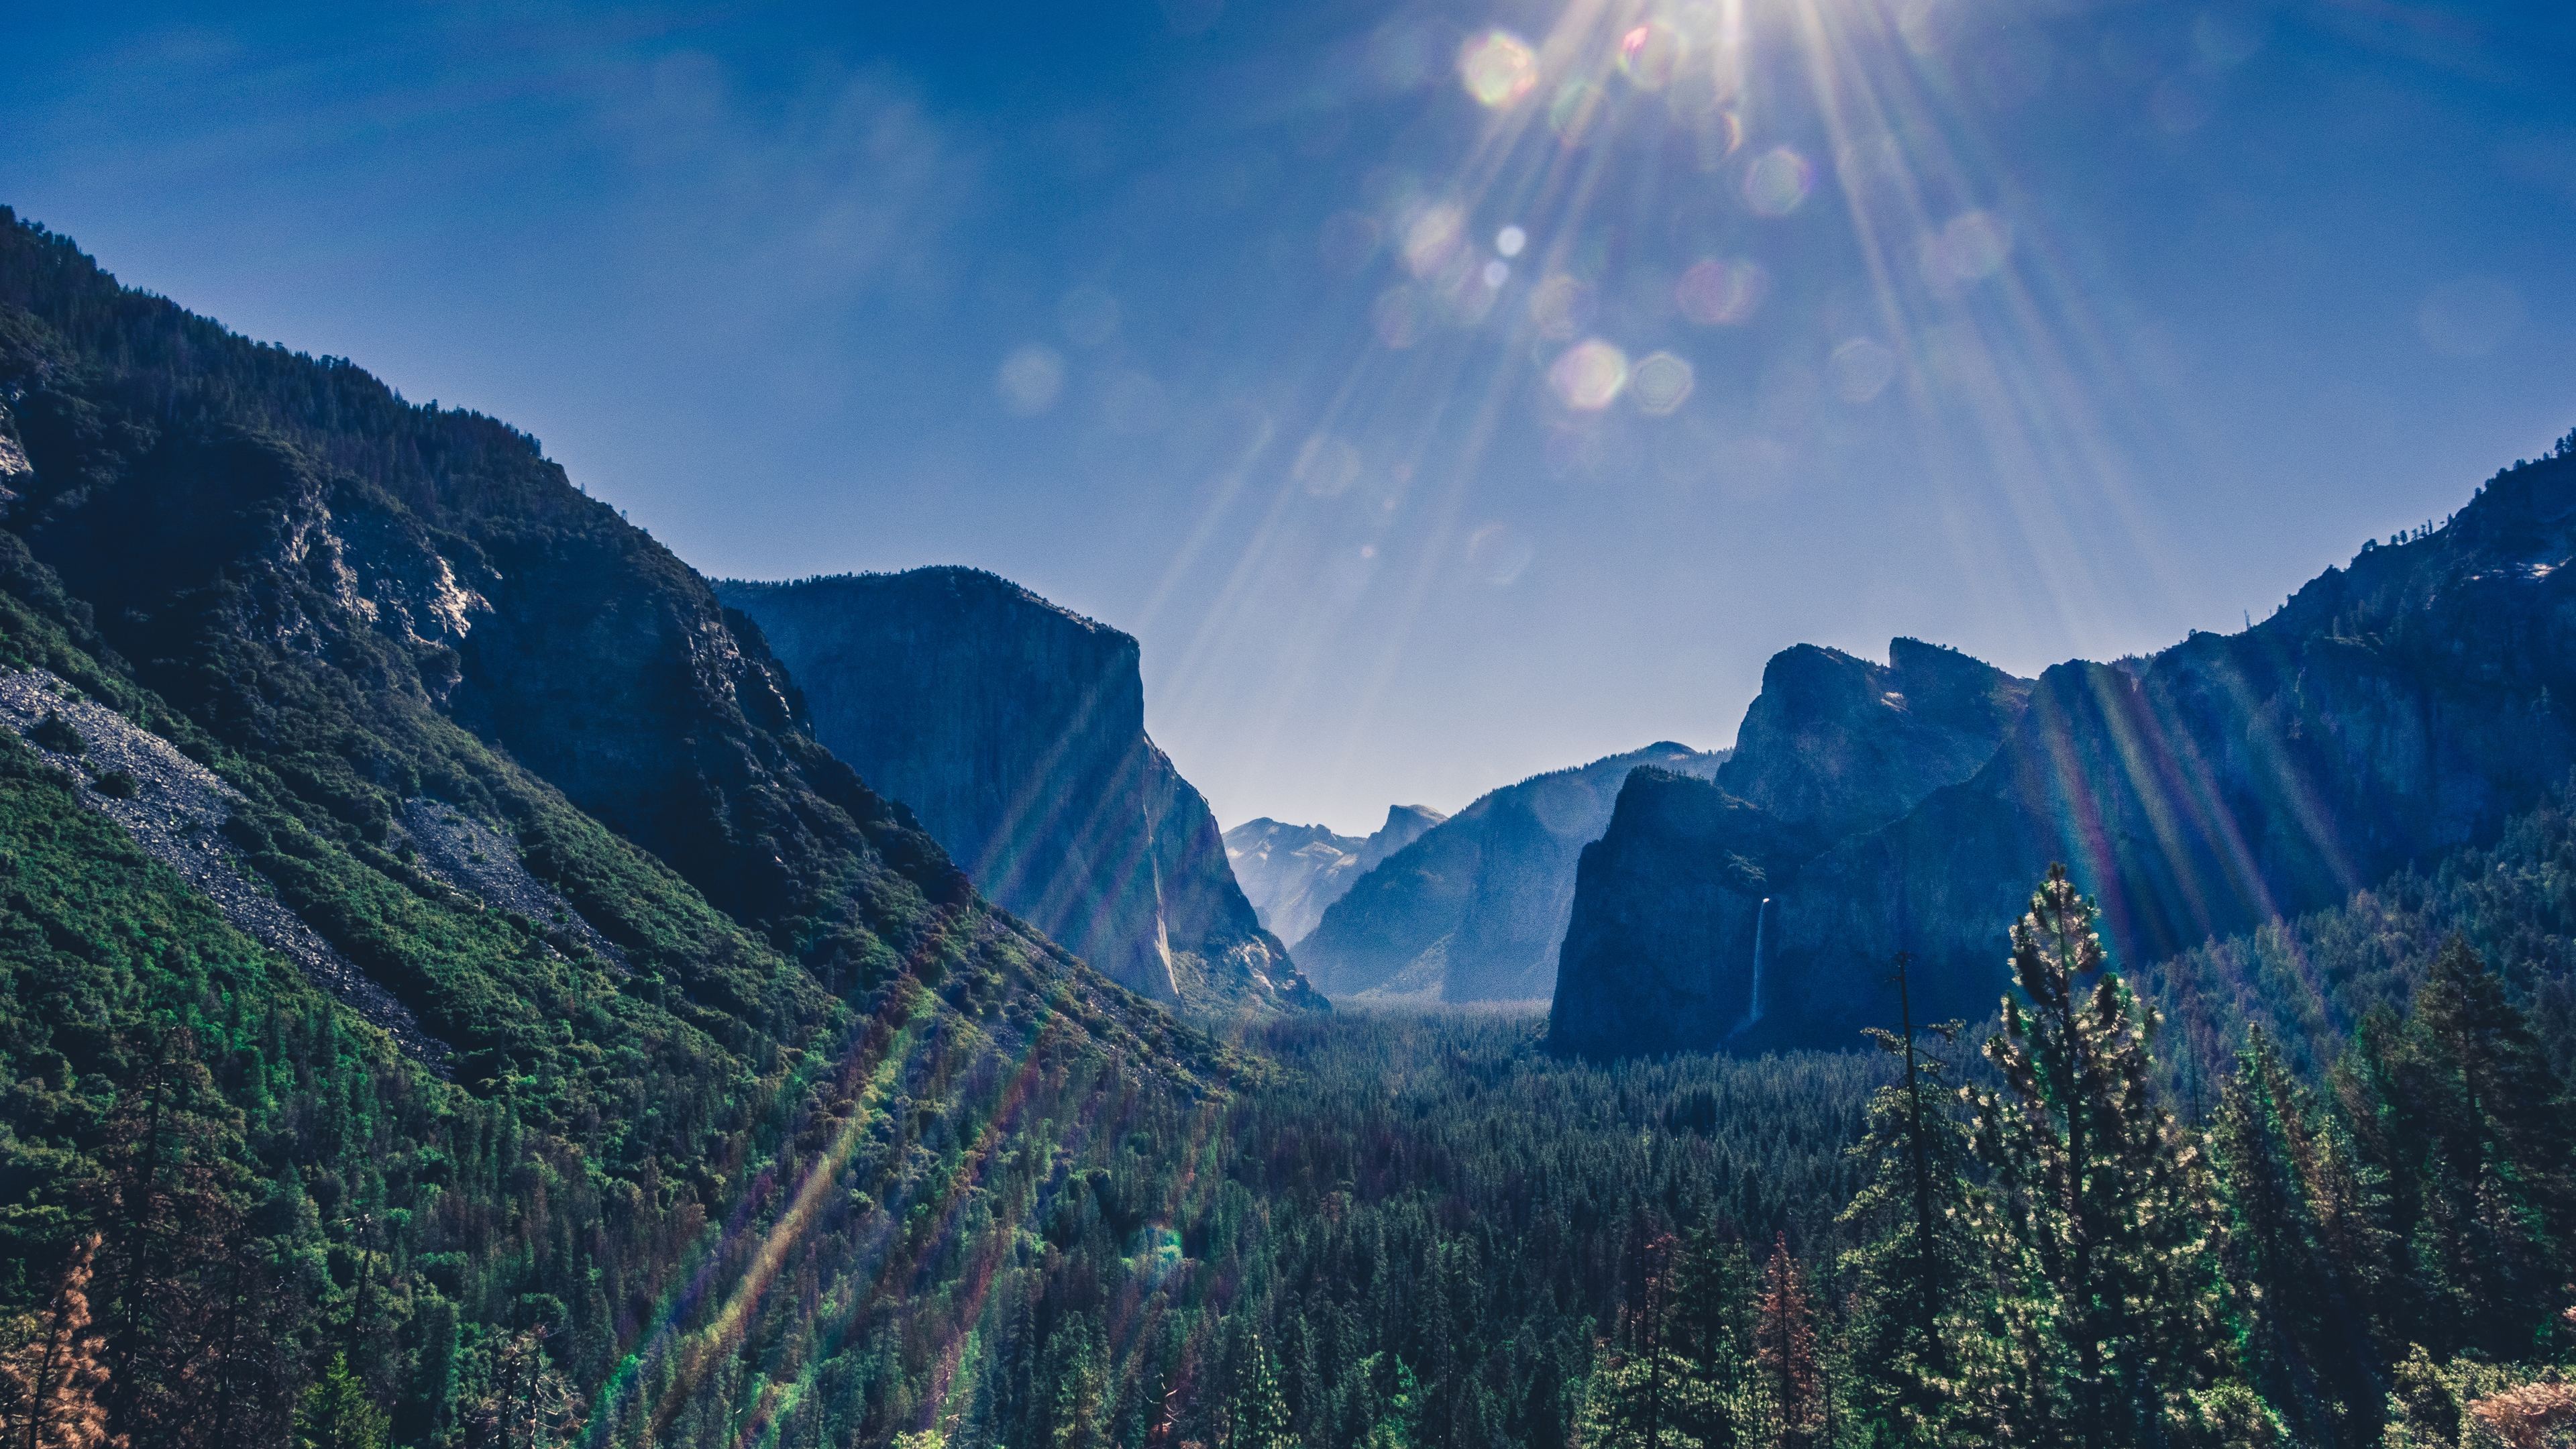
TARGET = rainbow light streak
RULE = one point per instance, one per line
(1790, 117)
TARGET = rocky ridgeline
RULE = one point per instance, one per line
(175, 809)
(1015, 732)
(2392, 710)
(1293, 873)
(1473, 910)
(1670, 936)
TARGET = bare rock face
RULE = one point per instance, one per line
(1671, 936)
(1015, 730)
(1474, 909)
(2404, 706)
(1844, 744)
(1292, 873)
(174, 809)
(1670, 918)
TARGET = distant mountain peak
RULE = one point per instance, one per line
(1293, 873)
(1473, 910)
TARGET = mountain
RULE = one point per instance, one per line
(1016, 732)
(1474, 909)
(2392, 710)
(1840, 744)
(430, 932)
(1833, 745)
(1291, 873)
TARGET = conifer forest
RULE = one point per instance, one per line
(790, 969)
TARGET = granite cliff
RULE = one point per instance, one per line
(1473, 910)
(464, 889)
(1015, 731)
(1291, 873)
(2392, 710)
(1832, 746)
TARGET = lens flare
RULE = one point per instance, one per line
(1651, 55)
(1509, 241)
(1468, 292)
(1971, 248)
(1589, 376)
(1722, 291)
(1661, 383)
(2470, 316)
(1030, 379)
(1432, 238)
(1574, 111)
(1560, 308)
(1499, 553)
(1861, 369)
(1326, 466)
(1498, 68)
(1396, 317)
(1716, 136)
(1778, 181)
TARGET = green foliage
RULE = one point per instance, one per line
(56, 734)
(336, 1413)
(2096, 1220)
(2311, 981)
(1913, 1252)
(832, 1154)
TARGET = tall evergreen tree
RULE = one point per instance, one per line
(1913, 1253)
(2286, 1186)
(2505, 1127)
(2098, 1208)
(51, 1370)
(1646, 1392)
(1714, 1287)
(1261, 1417)
(1784, 1350)
(336, 1412)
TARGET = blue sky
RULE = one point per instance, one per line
(2036, 327)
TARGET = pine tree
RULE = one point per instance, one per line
(1261, 1419)
(2098, 1212)
(2507, 1135)
(52, 1375)
(2282, 1177)
(2457, 1116)
(1784, 1350)
(1913, 1254)
(1398, 1421)
(1646, 1390)
(337, 1414)
(1712, 1335)
(168, 1276)
(1080, 1412)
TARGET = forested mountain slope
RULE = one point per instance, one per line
(447, 999)
(270, 630)
(1016, 730)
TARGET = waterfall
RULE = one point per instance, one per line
(1753, 999)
